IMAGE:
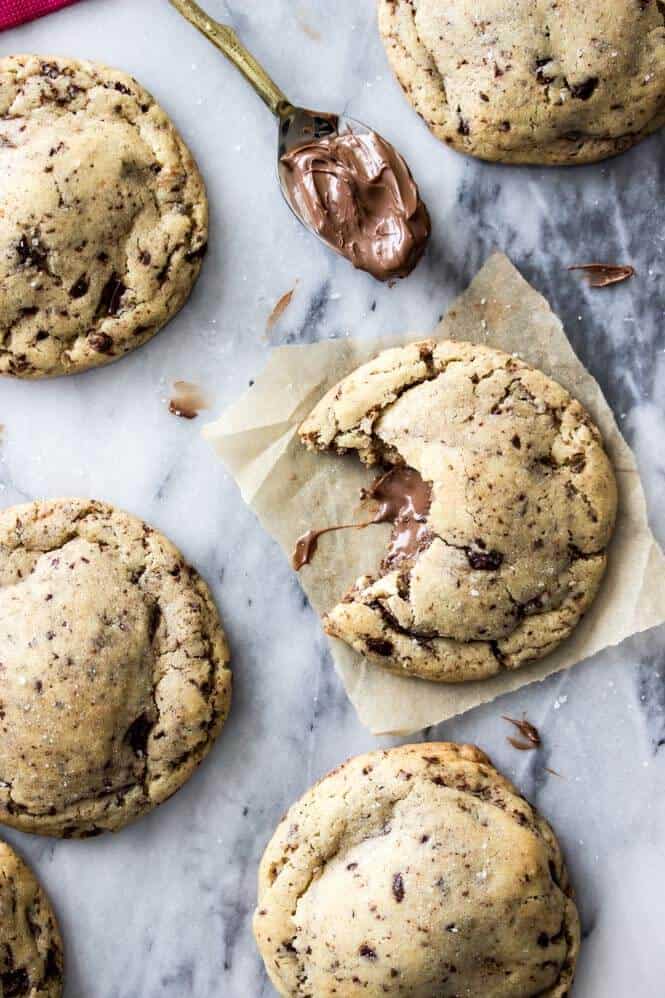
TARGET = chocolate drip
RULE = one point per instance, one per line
(357, 193)
(306, 545)
(404, 500)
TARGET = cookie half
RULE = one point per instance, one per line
(115, 675)
(104, 220)
(31, 961)
(531, 82)
(511, 548)
(417, 871)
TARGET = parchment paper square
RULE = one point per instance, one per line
(292, 490)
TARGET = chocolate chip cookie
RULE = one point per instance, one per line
(499, 546)
(104, 221)
(114, 674)
(30, 946)
(416, 871)
(531, 82)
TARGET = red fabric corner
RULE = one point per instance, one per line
(13, 12)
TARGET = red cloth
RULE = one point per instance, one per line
(14, 12)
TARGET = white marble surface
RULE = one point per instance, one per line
(163, 908)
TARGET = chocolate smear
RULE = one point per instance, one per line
(528, 731)
(187, 401)
(404, 500)
(601, 275)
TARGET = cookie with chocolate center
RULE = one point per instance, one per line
(104, 221)
(508, 503)
(114, 668)
(31, 962)
(417, 871)
(531, 81)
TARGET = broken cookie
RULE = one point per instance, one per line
(505, 547)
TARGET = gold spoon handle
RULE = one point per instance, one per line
(228, 42)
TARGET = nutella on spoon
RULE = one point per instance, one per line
(343, 181)
(404, 500)
(357, 193)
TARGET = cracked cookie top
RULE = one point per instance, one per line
(114, 677)
(531, 81)
(30, 946)
(522, 507)
(104, 221)
(416, 871)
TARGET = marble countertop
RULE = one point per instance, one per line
(163, 908)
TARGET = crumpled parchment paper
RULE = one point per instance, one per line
(292, 490)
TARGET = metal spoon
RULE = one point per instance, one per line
(297, 125)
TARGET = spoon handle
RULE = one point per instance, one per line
(228, 42)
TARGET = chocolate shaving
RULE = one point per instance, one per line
(528, 731)
(601, 275)
(522, 746)
(279, 309)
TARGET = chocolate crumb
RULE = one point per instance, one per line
(367, 952)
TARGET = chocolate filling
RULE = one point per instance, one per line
(404, 500)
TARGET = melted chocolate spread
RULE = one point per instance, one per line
(357, 193)
(404, 500)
